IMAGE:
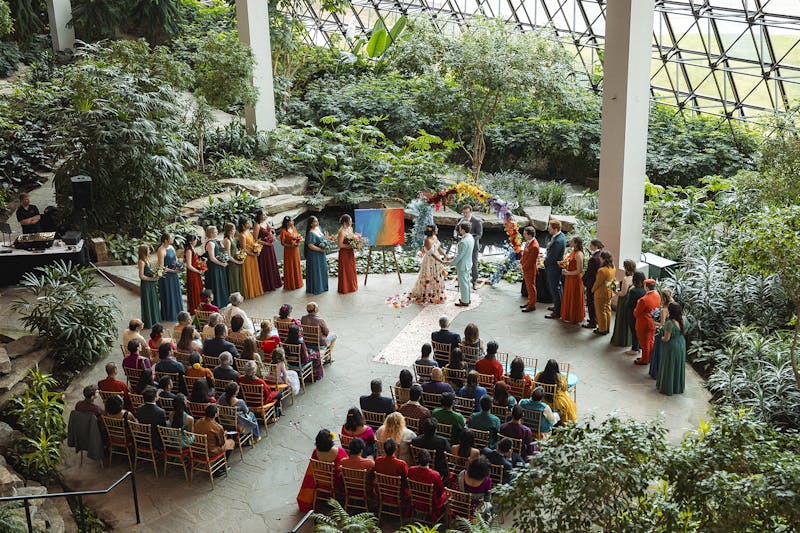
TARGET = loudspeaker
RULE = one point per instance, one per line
(71, 237)
(81, 192)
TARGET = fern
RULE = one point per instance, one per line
(339, 521)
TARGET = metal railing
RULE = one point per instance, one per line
(79, 495)
(302, 522)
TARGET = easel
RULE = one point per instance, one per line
(383, 252)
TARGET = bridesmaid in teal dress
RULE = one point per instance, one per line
(216, 277)
(234, 265)
(151, 313)
(169, 285)
(672, 368)
(316, 259)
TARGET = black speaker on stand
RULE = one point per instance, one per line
(82, 200)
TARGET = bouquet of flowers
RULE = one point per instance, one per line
(241, 255)
(158, 270)
(202, 266)
(357, 241)
(257, 248)
(224, 257)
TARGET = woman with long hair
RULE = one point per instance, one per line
(188, 340)
(430, 285)
(284, 375)
(456, 363)
(406, 379)
(267, 260)
(306, 354)
(660, 318)
(151, 308)
(517, 371)
(472, 337)
(251, 278)
(145, 380)
(502, 397)
(561, 401)
(216, 277)
(316, 258)
(234, 269)
(291, 239)
(169, 285)
(394, 427)
(245, 419)
(354, 426)
(194, 276)
(602, 293)
(181, 419)
(348, 279)
(466, 445)
(472, 390)
(326, 451)
(572, 304)
(636, 291)
(672, 370)
(201, 392)
(622, 332)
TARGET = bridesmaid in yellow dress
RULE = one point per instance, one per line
(251, 278)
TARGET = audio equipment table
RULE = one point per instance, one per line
(14, 263)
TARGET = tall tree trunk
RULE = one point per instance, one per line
(478, 152)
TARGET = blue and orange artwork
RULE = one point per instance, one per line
(381, 227)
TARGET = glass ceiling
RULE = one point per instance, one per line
(737, 59)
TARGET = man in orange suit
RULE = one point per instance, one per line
(645, 325)
(530, 265)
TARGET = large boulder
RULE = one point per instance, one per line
(539, 216)
(7, 437)
(281, 202)
(9, 480)
(5, 361)
(295, 185)
(258, 188)
(568, 222)
(22, 346)
(193, 207)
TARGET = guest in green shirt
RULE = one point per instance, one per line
(485, 420)
(446, 415)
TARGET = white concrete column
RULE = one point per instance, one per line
(60, 13)
(252, 17)
(623, 144)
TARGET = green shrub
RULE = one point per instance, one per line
(511, 186)
(223, 69)
(94, 20)
(77, 325)
(233, 139)
(552, 193)
(234, 166)
(10, 57)
(199, 185)
(6, 22)
(218, 212)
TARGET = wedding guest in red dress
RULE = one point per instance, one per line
(348, 279)
(572, 307)
(194, 274)
(425, 474)
(290, 239)
(207, 299)
(267, 261)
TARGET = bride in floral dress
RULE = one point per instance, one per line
(429, 288)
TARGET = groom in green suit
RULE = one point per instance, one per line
(463, 262)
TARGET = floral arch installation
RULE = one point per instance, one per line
(735, 59)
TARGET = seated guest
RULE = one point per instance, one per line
(431, 441)
(444, 335)
(375, 402)
(472, 389)
(150, 413)
(394, 428)
(425, 356)
(114, 409)
(197, 370)
(435, 385)
(412, 408)
(268, 337)
(157, 338)
(476, 481)
(354, 427)
(184, 319)
(218, 344)
(181, 419)
(561, 401)
(134, 359)
(165, 388)
(456, 363)
(517, 371)
(134, 332)
(224, 370)
(324, 451)
(406, 379)
(112, 384)
(283, 374)
(472, 337)
(167, 364)
(357, 459)
(207, 301)
(466, 445)
(306, 354)
(423, 473)
(504, 455)
(233, 309)
(189, 340)
(237, 335)
(208, 329)
(249, 378)
(392, 466)
(502, 397)
(313, 319)
(246, 420)
(250, 350)
(88, 405)
(517, 430)
(489, 364)
(146, 380)
(446, 415)
(285, 313)
(208, 426)
(547, 418)
(201, 392)
(484, 420)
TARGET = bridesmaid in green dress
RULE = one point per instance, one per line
(151, 307)
(622, 330)
(234, 265)
(216, 277)
(672, 368)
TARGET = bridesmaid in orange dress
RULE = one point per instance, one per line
(251, 278)
(348, 279)
(290, 239)
(194, 276)
(572, 304)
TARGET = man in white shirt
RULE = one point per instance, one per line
(233, 309)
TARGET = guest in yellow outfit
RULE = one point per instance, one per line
(251, 277)
(560, 401)
(602, 293)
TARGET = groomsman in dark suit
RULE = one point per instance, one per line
(555, 253)
(588, 281)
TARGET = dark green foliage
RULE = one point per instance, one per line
(10, 57)
(218, 212)
(199, 185)
(77, 325)
(29, 17)
(156, 20)
(234, 166)
(98, 19)
(233, 139)
(22, 154)
(223, 69)
(153, 66)
(6, 22)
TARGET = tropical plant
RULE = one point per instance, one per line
(94, 20)
(380, 41)
(42, 456)
(6, 22)
(233, 166)
(223, 69)
(39, 408)
(419, 528)
(77, 325)
(338, 520)
(152, 65)
(156, 20)
(218, 212)
(10, 57)
(29, 17)
(552, 193)
(11, 520)
(233, 139)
